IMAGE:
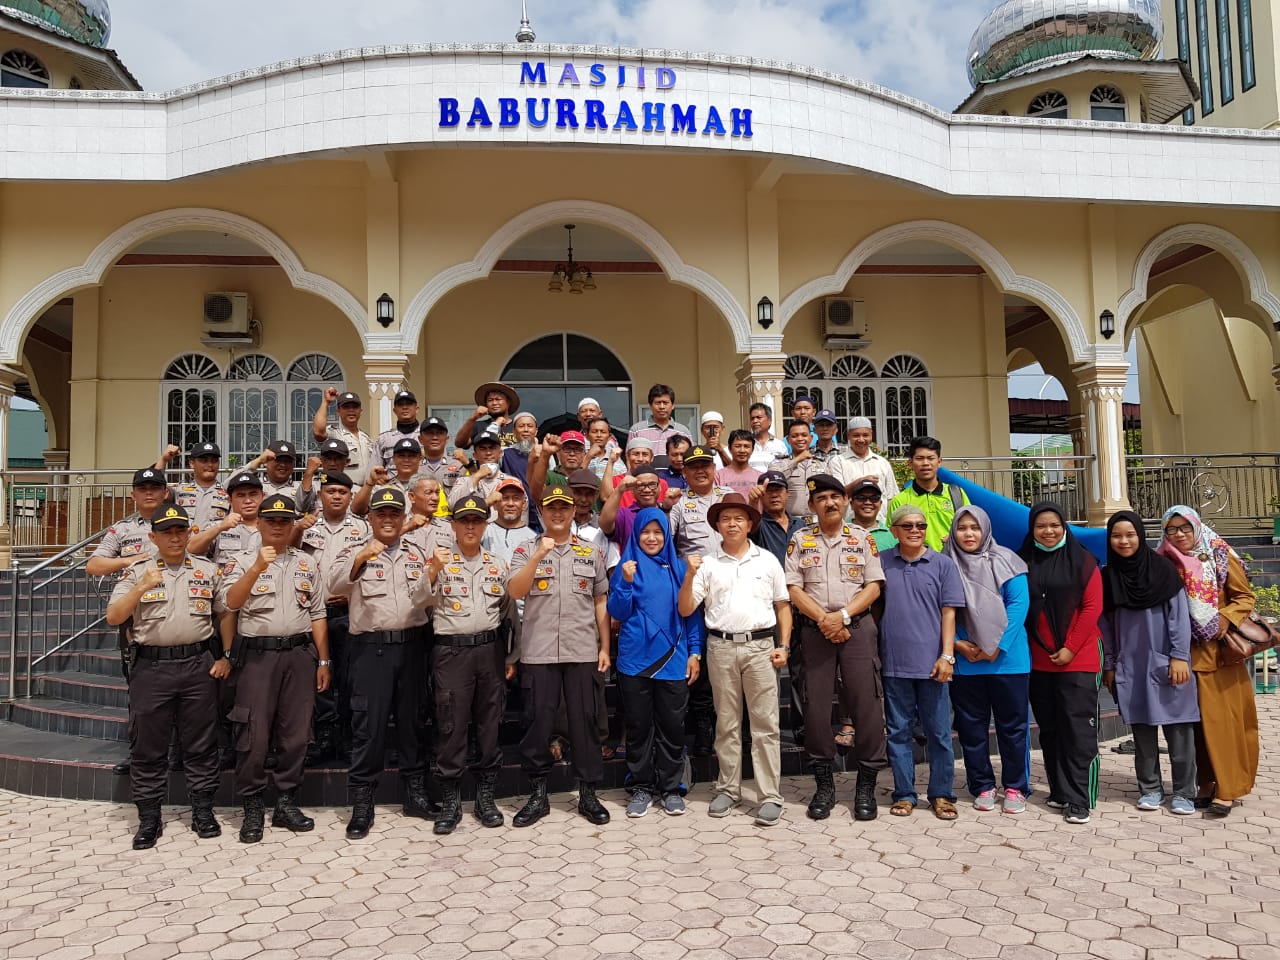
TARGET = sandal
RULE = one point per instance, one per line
(607, 752)
(944, 809)
(844, 739)
(559, 747)
(902, 808)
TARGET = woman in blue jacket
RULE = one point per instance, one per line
(993, 661)
(659, 656)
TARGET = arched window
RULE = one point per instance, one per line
(907, 406)
(801, 370)
(308, 377)
(190, 401)
(904, 367)
(554, 372)
(896, 399)
(1050, 105)
(1107, 103)
(20, 69)
(853, 367)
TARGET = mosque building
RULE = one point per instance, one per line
(202, 263)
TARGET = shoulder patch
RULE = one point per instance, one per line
(791, 548)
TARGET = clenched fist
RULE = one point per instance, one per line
(629, 571)
(152, 578)
(545, 546)
(694, 560)
(439, 557)
(330, 394)
(266, 557)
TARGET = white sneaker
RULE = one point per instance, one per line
(985, 801)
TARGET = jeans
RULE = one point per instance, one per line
(904, 698)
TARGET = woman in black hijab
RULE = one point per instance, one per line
(1066, 658)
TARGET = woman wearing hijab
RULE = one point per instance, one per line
(1066, 658)
(993, 661)
(1146, 646)
(1218, 596)
(659, 654)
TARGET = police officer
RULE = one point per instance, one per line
(386, 583)
(359, 445)
(237, 532)
(278, 462)
(405, 406)
(204, 499)
(833, 576)
(406, 457)
(129, 540)
(335, 529)
(172, 601)
(433, 437)
(564, 642)
(282, 660)
(469, 597)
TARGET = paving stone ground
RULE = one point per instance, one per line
(1127, 886)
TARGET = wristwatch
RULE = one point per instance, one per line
(696, 656)
(324, 663)
(844, 615)
(949, 657)
(226, 654)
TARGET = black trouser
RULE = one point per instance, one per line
(653, 711)
(798, 692)
(333, 706)
(701, 705)
(275, 698)
(1066, 710)
(544, 686)
(163, 693)
(859, 686)
(385, 678)
(469, 688)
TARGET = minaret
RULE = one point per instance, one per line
(525, 33)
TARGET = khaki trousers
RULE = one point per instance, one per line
(740, 670)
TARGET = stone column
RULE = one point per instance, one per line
(1102, 386)
(760, 378)
(385, 374)
(8, 380)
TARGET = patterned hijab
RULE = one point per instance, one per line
(1204, 571)
(983, 573)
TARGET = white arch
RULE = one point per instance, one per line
(994, 262)
(119, 242)
(559, 211)
(1228, 244)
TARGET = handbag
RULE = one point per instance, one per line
(1253, 636)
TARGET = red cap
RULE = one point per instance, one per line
(574, 436)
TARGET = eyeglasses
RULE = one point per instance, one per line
(912, 526)
(1179, 530)
(646, 486)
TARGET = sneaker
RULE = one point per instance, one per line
(1182, 806)
(769, 814)
(673, 805)
(1150, 801)
(1077, 814)
(722, 805)
(639, 804)
(985, 801)
(1015, 802)
(1055, 804)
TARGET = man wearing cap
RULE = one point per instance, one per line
(801, 466)
(585, 487)
(659, 425)
(406, 459)
(515, 458)
(748, 637)
(570, 451)
(336, 529)
(237, 532)
(865, 463)
(129, 540)
(803, 410)
(386, 584)
(484, 478)
(834, 576)
(866, 503)
(360, 446)
(172, 601)
(281, 659)
(405, 407)
(496, 404)
(616, 520)
(712, 427)
(768, 448)
(277, 463)
(433, 437)
(825, 424)
(470, 662)
(564, 642)
(509, 528)
(203, 498)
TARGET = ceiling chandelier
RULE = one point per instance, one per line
(577, 275)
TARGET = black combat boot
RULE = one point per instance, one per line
(418, 801)
(450, 808)
(589, 805)
(289, 816)
(254, 813)
(824, 798)
(361, 813)
(484, 809)
(203, 821)
(536, 807)
(864, 795)
(150, 826)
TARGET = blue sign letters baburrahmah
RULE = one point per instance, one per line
(568, 113)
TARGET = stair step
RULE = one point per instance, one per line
(70, 718)
(89, 689)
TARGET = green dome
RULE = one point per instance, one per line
(88, 21)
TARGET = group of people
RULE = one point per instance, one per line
(393, 592)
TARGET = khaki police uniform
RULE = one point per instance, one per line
(559, 649)
(130, 537)
(169, 682)
(689, 526)
(446, 471)
(361, 451)
(276, 668)
(205, 505)
(832, 570)
(798, 474)
(241, 538)
(387, 440)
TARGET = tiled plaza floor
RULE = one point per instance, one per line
(1128, 886)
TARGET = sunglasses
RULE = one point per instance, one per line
(912, 526)
(866, 499)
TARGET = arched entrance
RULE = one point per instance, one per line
(556, 371)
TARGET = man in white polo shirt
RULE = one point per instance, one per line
(748, 636)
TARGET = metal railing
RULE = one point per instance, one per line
(1029, 480)
(48, 509)
(1234, 492)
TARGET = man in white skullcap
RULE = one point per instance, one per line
(863, 463)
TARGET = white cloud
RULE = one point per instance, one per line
(916, 46)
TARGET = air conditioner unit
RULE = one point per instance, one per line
(227, 314)
(844, 318)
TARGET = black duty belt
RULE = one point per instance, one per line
(388, 636)
(184, 651)
(335, 609)
(271, 644)
(743, 637)
(466, 639)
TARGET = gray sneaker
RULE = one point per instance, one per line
(673, 805)
(639, 804)
(769, 814)
(722, 805)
